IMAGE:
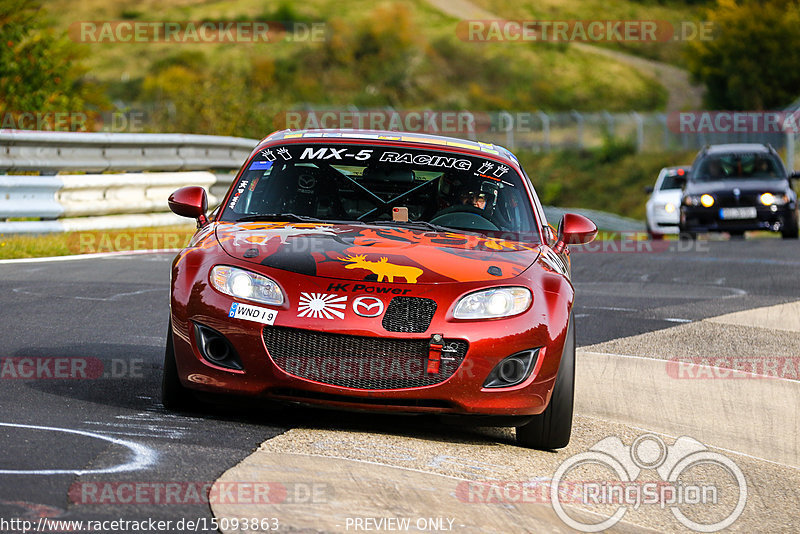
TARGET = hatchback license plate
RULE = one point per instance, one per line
(737, 213)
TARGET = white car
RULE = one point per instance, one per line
(663, 206)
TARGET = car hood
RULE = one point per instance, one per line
(668, 195)
(745, 186)
(376, 253)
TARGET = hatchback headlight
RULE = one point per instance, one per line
(706, 200)
(492, 303)
(246, 285)
(769, 199)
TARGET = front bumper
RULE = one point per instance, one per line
(487, 342)
(701, 219)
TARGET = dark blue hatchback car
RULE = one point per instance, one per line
(736, 188)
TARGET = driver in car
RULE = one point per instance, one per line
(474, 199)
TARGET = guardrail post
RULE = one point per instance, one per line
(639, 131)
(609, 122)
(579, 119)
(545, 118)
(662, 118)
(507, 120)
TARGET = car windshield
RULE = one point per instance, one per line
(740, 165)
(670, 181)
(437, 190)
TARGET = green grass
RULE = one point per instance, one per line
(611, 178)
(68, 243)
(676, 13)
(400, 54)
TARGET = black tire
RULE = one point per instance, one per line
(552, 428)
(655, 237)
(174, 396)
(789, 231)
(687, 236)
(737, 235)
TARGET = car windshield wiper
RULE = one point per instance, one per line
(292, 217)
(423, 224)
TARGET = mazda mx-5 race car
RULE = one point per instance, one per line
(379, 271)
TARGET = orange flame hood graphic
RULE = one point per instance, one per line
(375, 253)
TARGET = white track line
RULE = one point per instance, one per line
(143, 456)
(92, 256)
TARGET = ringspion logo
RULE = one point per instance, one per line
(690, 476)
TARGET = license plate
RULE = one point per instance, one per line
(737, 213)
(252, 313)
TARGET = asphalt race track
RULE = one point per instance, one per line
(62, 436)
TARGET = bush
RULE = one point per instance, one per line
(40, 69)
(603, 179)
(751, 62)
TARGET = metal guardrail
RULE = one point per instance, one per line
(100, 201)
(71, 202)
(52, 152)
(603, 219)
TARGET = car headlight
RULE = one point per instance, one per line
(491, 303)
(704, 200)
(669, 207)
(768, 199)
(246, 285)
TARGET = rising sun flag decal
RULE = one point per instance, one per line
(321, 305)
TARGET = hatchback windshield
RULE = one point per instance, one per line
(671, 181)
(740, 165)
(371, 184)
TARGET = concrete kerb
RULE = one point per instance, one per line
(749, 413)
(759, 417)
(326, 494)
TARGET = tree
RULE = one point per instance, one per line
(40, 69)
(751, 61)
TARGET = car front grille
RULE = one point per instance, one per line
(728, 200)
(360, 362)
(409, 314)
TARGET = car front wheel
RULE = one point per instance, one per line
(552, 428)
(173, 395)
(789, 230)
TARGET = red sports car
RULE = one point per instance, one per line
(380, 271)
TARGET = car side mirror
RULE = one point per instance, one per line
(795, 175)
(574, 229)
(190, 201)
(649, 189)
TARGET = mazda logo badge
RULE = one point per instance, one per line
(306, 181)
(368, 306)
